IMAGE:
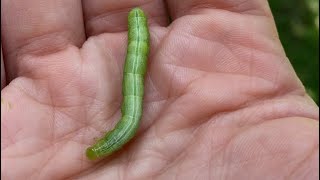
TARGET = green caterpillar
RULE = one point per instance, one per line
(135, 68)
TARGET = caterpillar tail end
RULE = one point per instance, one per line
(91, 154)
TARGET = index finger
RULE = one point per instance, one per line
(254, 7)
(38, 26)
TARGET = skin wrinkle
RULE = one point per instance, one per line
(251, 11)
(148, 155)
(175, 65)
(156, 116)
(92, 40)
(204, 163)
(27, 60)
(82, 161)
(224, 115)
(29, 74)
(131, 160)
(104, 17)
(38, 171)
(54, 106)
(304, 160)
(111, 116)
(100, 165)
(173, 157)
(158, 154)
(53, 110)
(226, 34)
(144, 120)
(66, 85)
(239, 74)
(9, 139)
(242, 162)
(43, 103)
(66, 144)
(176, 159)
(193, 35)
(101, 111)
(49, 146)
(245, 105)
(180, 66)
(112, 11)
(153, 23)
(32, 153)
(230, 8)
(220, 147)
(164, 109)
(246, 162)
(236, 6)
(28, 95)
(116, 101)
(225, 156)
(154, 153)
(180, 127)
(62, 40)
(223, 146)
(158, 38)
(83, 125)
(125, 166)
(181, 159)
(228, 42)
(198, 123)
(50, 159)
(219, 150)
(244, 130)
(173, 93)
(152, 85)
(161, 44)
(156, 21)
(53, 117)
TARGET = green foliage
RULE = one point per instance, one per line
(298, 26)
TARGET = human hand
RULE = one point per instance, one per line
(221, 101)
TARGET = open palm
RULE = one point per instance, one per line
(221, 99)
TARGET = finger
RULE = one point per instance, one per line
(38, 27)
(3, 75)
(254, 7)
(111, 16)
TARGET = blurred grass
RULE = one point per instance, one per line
(298, 26)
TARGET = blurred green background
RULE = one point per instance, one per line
(298, 26)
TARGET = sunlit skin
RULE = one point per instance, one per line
(222, 100)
